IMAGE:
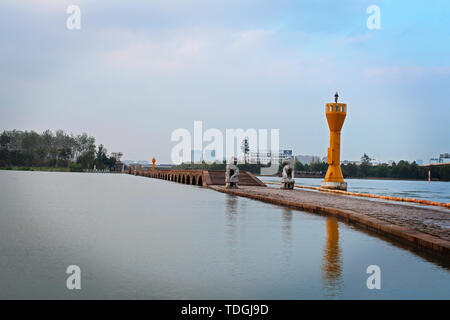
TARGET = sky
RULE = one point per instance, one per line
(138, 70)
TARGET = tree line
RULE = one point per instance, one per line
(401, 170)
(48, 149)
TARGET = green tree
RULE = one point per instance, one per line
(318, 167)
(364, 166)
(298, 166)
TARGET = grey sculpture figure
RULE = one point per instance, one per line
(232, 174)
(287, 180)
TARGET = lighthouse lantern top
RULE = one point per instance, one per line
(336, 107)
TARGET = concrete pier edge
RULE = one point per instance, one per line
(416, 239)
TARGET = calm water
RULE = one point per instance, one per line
(433, 191)
(136, 237)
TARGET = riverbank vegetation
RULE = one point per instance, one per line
(48, 151)
(401, 170)
(48, 169)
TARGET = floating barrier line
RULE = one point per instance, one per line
(367, 195)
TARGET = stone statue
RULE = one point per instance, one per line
(232, 174)
(287, 180)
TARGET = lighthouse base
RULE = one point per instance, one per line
(334, 185)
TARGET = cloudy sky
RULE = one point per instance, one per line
(137, 70)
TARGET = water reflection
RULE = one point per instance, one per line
(286, 227)
(231, 210)
(286, 234)
(332, 260)
(231, 203)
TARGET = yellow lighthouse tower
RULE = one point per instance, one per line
(336, 113)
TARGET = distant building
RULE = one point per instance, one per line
(434, 160)
(444, 157)
(267, 156)
(419, 162)
(196, 156)
(350, 162)
(307, 159)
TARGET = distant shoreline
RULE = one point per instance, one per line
(46, 169)
(59, 169)
(404, 179)
(360, 178)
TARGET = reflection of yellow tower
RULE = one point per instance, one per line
(332, 262)
(336, 113)
(153, 163)
(332, 267)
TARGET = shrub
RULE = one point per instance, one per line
(76, 167)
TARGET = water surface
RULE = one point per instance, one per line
(434, 191)
(141, 238)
